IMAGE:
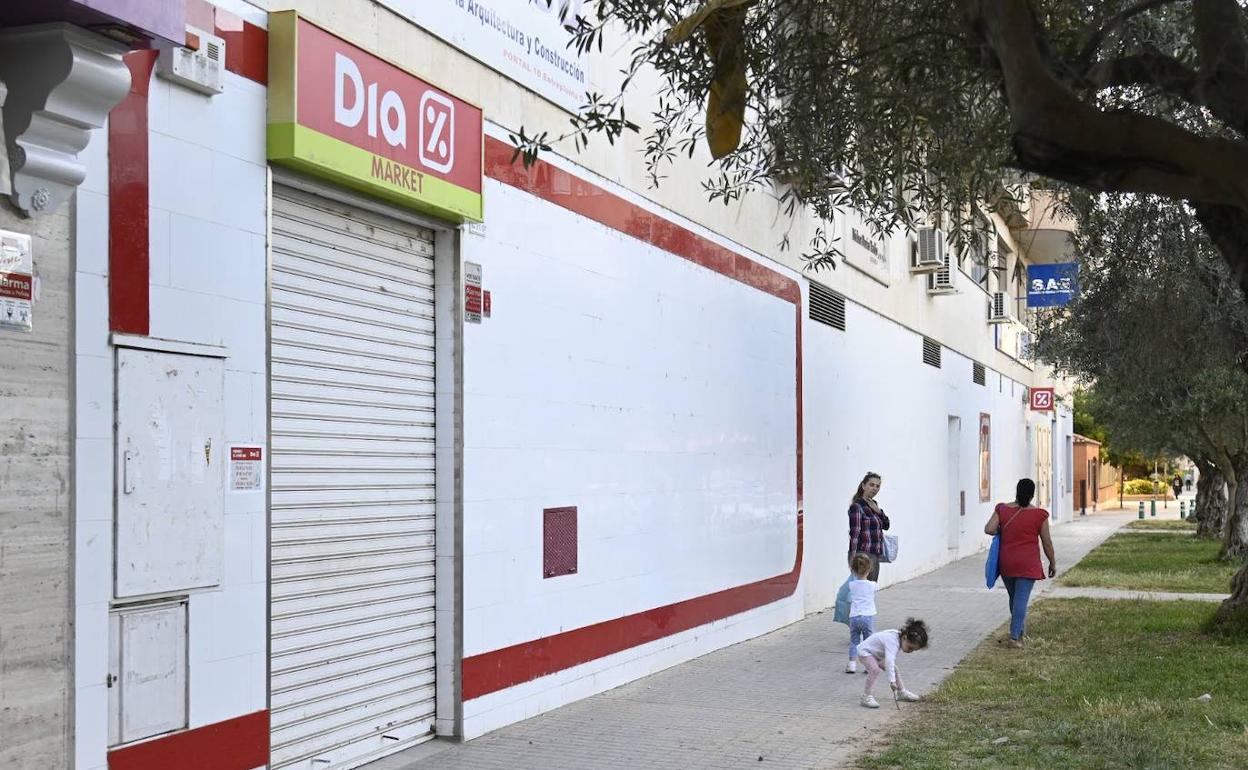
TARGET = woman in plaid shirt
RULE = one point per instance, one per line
(867, 523)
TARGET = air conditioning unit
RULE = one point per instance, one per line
(931, 253)
(200, 65)
(998, 308)
(941, 281)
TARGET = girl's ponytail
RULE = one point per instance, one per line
(915, 631)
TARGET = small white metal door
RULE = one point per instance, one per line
(352, 539)
(170, 482)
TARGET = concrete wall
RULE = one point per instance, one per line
(35, 506)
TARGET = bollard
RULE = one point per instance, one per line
(1152, 507)
(1182, 509)
(1141, 509)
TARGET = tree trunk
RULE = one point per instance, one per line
(1232, 615)
(1210, 501)
(1235, 529)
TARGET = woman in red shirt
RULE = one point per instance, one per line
(1021, 525)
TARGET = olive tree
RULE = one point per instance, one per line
(1162, 331)
(901, 107)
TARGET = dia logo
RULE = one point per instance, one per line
(391, 113)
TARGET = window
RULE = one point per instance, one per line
(1020, 288)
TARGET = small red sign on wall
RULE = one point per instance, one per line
(558, 542)
(1042, 399)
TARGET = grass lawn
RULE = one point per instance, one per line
(1178, 525)
(1154, 561)
(1101, 685)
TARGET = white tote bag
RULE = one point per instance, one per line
(890, 549)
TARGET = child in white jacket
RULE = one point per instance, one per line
(861, 607)
(880, 650)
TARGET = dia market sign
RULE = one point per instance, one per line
(341, 113)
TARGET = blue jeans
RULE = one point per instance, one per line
(1019, 589)
(860, 627)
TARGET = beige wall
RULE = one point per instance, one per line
(958, 321)
(35, 532)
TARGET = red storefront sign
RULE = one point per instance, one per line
(337, 111)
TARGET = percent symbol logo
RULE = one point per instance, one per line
(437, 132)
(1041, 399)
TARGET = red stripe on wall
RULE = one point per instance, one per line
(510, 666)
(235, 744)
(128, 264)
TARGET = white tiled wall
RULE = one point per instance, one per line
(208, 181)
(656, 396)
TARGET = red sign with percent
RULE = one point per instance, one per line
(338, 111)
(1042, 399)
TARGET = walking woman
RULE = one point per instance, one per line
(867, 523)
(1024, 529)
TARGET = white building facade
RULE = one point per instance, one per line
(380, 436)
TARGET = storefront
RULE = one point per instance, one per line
(374, 169)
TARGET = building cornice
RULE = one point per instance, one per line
(62, 82)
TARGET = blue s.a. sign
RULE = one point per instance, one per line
(1052, 285)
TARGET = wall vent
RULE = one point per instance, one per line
(931, 352)
(826, 306)
(978, 376)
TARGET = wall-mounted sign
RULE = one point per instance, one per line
(17, 282)
(339, 112)
(523, 39)
(246, 468)
(1052, 285)
(863, 249)
(473, 300)
(1042, 399)
(485, 304)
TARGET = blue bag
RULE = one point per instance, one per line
(841, 614)
(992, 567)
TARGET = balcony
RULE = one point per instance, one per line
(1012, 202)
(1048, 237)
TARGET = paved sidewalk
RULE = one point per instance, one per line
(778, 702)
(1070, 592)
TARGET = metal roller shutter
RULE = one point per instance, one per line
(352, 539)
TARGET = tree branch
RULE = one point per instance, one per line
(1151, 68)
(1222, 45)
(1059, 135)
(1087, 54)
(1227, 227)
